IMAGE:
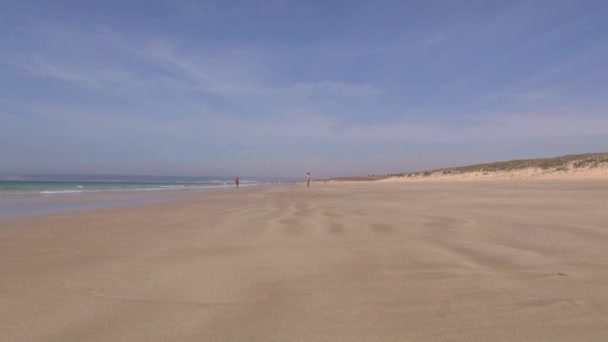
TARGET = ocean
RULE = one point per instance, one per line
(71, 184)
(33, 195)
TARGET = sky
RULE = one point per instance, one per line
(281, 87)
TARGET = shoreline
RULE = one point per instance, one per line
(35, 204)
(40, 205)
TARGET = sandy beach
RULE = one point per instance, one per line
(371, 261)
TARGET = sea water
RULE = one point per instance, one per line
(41, 195)
(13, 188)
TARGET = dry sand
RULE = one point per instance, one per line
(337, 262)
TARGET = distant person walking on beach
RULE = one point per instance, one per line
(236, 181)
(308, 180)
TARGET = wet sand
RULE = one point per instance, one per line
(510, 260)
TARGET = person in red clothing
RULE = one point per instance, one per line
(236, 181)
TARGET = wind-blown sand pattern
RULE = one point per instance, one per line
(337, 262)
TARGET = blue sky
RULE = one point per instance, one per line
(279, 88)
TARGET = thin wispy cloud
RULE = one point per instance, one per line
(435, 39)
(83, 75)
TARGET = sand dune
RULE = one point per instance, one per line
(340, 262)
(570, 167)
(597, 173)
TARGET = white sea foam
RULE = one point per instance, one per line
(61, 192)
